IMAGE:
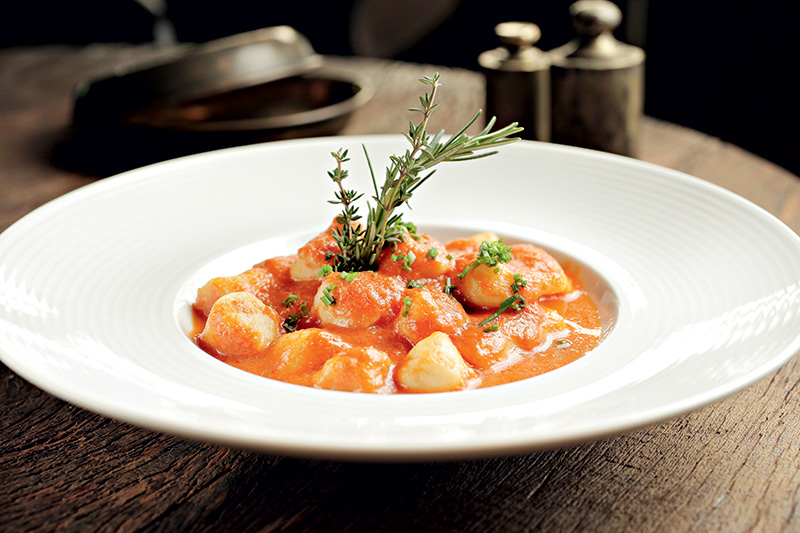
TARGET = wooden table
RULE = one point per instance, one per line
(731, 466)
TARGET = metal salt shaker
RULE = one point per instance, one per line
(518, 80)
(597, 83)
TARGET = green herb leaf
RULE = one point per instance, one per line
(406, 305)
(327, 298)
(515, 301)
(348, 276)
(408, 259)
(519, 283)
(290, 324)
(290, 300)
(490, 253)
(448, 288)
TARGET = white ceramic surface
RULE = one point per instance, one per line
(700, 290)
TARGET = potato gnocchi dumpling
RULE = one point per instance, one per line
(430, 311)
(240, 324)
(363, 369)
(474, 312)
(434, 365)
(358, 300)
(314, 255)
(303, 352)
(415, 257)
(256, 281)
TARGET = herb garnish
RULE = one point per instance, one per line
(515, 302)
(411, 228)
(406, 305)
(290, 324)
(290, 300)
(348, 276)
(327, 298)
(408, 259)
(448, 288)
(360, 244)
(490, 253)
(519, 283)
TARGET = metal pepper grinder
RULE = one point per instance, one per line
(597, 83)
(518, 80)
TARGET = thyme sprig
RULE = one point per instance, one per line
(360, 245)
(346, 232)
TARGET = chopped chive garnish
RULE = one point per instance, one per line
(515, 301)
(406, 305)
(448, 288)
(290, 324)
(413, 284)
(490, 253)
(491, 328)
(327, 298)
(325, 270)
(348, 276)
(432, 253)
(290, 300)
(519, 283)
(408, 259)
(410, 227)
(466, 270)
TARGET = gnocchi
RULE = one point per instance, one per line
(433, 365)
(240, 324)
(432, 317)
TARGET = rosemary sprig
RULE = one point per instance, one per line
(359, 246)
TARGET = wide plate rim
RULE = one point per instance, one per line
(400, 450)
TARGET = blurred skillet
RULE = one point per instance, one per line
(257, 86)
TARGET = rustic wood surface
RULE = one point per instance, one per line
(732, 466)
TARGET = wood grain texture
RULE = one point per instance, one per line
(731, 466)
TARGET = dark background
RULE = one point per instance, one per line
(720, 68)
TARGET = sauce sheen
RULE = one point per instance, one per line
(429, 319)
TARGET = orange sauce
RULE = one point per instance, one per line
(549, 332)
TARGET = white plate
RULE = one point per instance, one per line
(698, 287)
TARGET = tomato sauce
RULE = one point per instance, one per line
(419, 325)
